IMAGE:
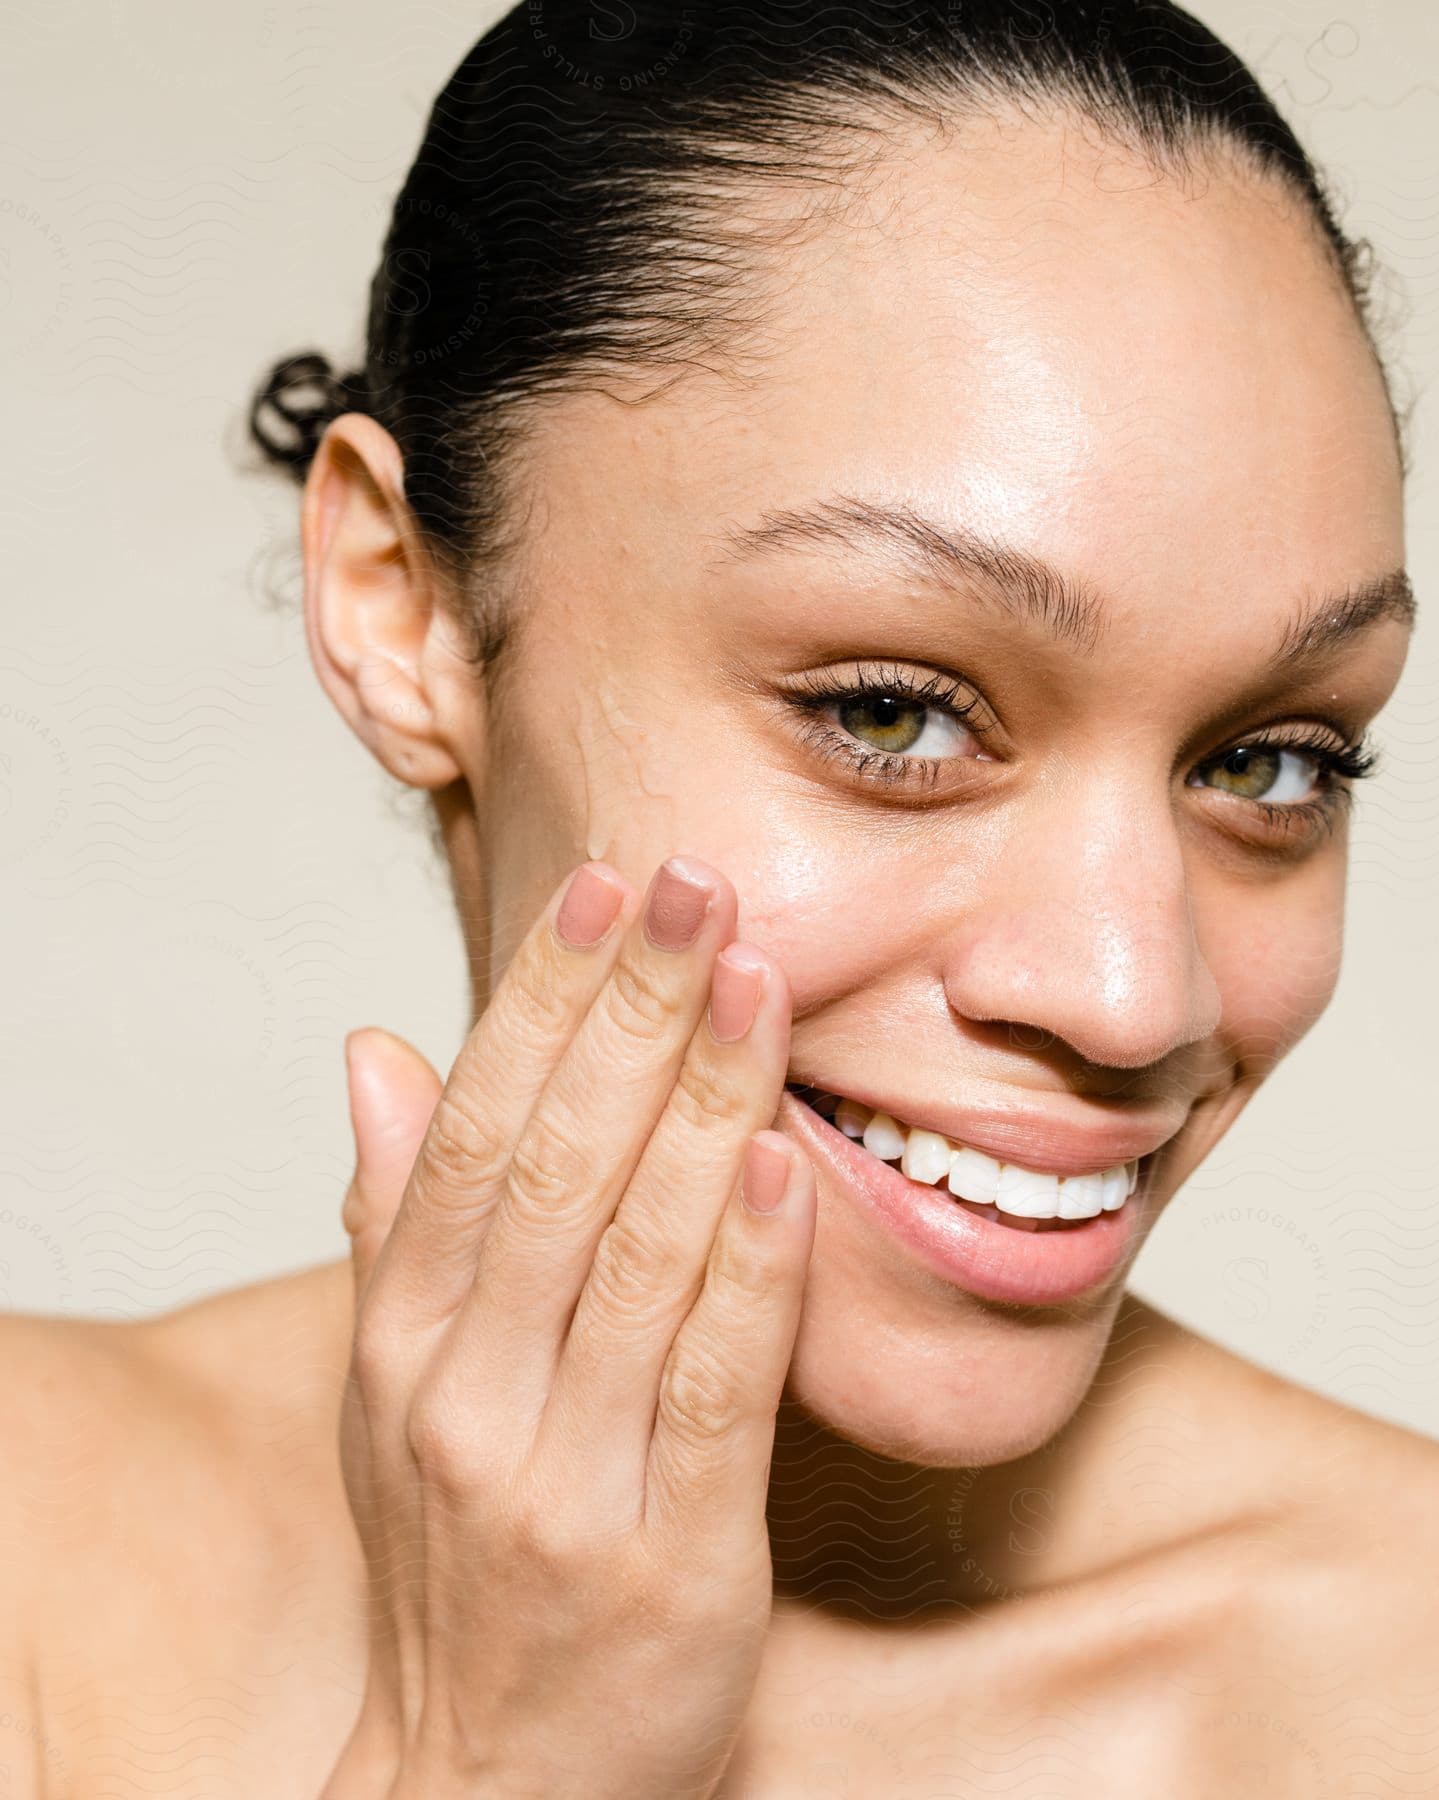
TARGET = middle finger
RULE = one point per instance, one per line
(588, 1129)
(650, 1264)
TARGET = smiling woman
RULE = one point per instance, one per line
(880, 527)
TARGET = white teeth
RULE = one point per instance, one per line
(930, 1157)
(1081, 1196)
(1026, 1193)
(851, 1118)
(883, 1138)
(974, 1176)
(927, 1156)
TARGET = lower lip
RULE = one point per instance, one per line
(989, 1260)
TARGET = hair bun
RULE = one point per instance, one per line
(294, 404)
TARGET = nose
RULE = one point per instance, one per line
(1081, 927)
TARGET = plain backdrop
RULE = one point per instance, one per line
(205, 880)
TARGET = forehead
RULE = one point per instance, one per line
(1151, 379)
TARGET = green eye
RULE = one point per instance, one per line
(896, 724)
(891, 727)
(1276, 775)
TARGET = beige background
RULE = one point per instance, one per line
(206, 882)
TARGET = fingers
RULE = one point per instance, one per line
(392, 1091)
(721, 1385)
(548, 987)
(585, 1136)
(650, 1261)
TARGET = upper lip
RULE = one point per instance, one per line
(1048, 1141)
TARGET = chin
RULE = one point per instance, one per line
(936, 1332)
(920, 1372)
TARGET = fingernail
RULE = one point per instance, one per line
(680, 897)
(765, 1177)
(734, 992)
(589, 908)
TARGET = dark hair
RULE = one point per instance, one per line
(585, 203)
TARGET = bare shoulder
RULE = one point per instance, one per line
(1361, 1507)
(1263, 1622)
(172, 1501)
(1314, 1653)
(1349, 1496)
(78, 1390)
(1352, 1488)
(106, 1421)
(68, 1380)
(1340, 1681)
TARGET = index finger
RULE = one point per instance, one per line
(427, 1263)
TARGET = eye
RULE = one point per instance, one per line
(1298, 788)
(895, 725)
(1279, 775)
(889, 727)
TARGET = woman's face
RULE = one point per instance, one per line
(1084, 451)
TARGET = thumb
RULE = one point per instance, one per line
(393, 1091)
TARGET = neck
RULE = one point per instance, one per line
(1149, 1459)
(859, 1535)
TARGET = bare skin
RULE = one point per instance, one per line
(1077, 1553)
(1253, 1617)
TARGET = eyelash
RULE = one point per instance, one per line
(895, 682)
(1336, 767)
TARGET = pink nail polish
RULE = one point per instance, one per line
(588, 909)
(680, 897)
(765, 1177)
(735, 991)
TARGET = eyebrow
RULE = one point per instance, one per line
(1027, 587)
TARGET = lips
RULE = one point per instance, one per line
(983, 1257)
(1021, 1197)
(1050, 1140)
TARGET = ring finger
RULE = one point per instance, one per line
(649, 1264)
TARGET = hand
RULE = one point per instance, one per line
(570, 1339)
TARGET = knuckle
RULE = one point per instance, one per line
(552, 1539)
(538, 1008)
(547, 1164)
(698, 1403)
(447, 1457)
(639, 1001)
(374, 1357)
(632, 1270)
(458, 1148)
(740, 1274)
(702, 1099)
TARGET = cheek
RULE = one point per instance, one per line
(1275, 956)
(839, 927)
(590, 770)
(618, 767)
(623, 782)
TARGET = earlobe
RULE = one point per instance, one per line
(372, 601)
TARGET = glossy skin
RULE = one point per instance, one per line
(1165, 395)
(1162, 390)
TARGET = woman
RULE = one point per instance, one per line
(880, 529)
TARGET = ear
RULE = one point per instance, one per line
(373, 605)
